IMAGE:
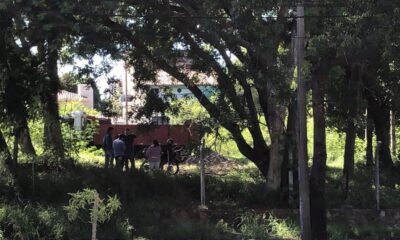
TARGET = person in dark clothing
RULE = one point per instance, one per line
(119, 151)
(129, 149)
(169, 150)
(108, 148)
(168, 156)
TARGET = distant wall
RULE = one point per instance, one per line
(86, 91)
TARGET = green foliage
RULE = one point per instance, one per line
(84, 200)
(111, 106)
(31, 222)
(36, 128)
(6, 178)
(335, 141)
(65, 108)
(76, 141)
(259, 226)
(91, 156)
(218, 138)
(189, 110)
(370, 231)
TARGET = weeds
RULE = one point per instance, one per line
(257, 226)
(370, 231)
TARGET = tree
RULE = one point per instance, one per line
(247, 53)
(28, 75)
(19, 74)
(111, 106)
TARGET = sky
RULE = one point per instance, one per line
(117, 70)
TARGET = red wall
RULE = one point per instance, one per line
(181, 134)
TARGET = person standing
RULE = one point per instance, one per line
(119, 151)
(169, 151)
(108, 148)
(129, 150)
(153, 154)
(168, 155)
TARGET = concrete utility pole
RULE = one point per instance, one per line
(126, 94)
(304, 188)
(377, 177)
(393, 142)
(202, 176)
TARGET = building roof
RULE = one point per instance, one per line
(184, 63)
(163, 78)
(64, 96)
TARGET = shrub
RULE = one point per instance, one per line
(257, 226)
(31, 222)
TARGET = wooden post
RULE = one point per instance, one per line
(202, 176)
(95, 215)
(291, 188)
(377, 178)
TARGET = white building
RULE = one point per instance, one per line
(86, 91)
(84, 95)
(163, 83)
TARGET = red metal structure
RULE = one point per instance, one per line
(182, 135)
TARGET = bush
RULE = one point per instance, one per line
(371, 231)
(32, 222)
(257, 226)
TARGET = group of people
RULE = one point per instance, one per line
(121, 149)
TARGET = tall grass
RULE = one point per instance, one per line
(257, 226)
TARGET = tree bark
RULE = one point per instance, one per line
(15, 147)
(262, 163)
(53, 140)
(25, 140)
(5, 151)
(9, 162)
(381, 115)
(369, 132)
(289, 177)
(318, 170)
(349, 150)
(276, 157)
(351, 131)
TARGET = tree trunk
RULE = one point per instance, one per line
(15, 147)
(53, 140)
(349, 150)
(318, 170)
(381, 115)
(261, 164)
(352, 102)
(369, 132)
(5, 152)
(25, 140)
(276, 158)
(276, 128)
(289, 171)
